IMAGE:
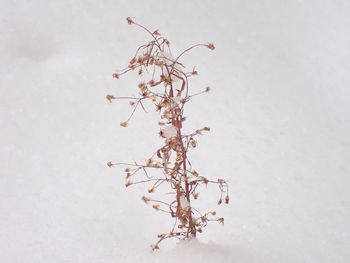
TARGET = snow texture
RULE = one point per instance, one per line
(279, 116)
(169, 131)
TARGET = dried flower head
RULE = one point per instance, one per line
(227, 199)
(124, 124)
(129, 20)
(146, 199)
(210, 46)
(154, 247)
(221, 220)
(110, 98)
(156, 207)
(156, 33)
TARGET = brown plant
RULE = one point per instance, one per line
(168, 89)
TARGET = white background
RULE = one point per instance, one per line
(279, 111)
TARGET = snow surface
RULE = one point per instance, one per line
(279, 114)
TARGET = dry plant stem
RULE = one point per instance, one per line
(192, 229)
(172, 158)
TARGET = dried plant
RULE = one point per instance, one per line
(168, 90)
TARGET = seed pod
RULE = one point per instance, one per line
(124, 124)
(210, 46)
(156, 207)
(110, 98)
(221, 220)
(227, 199)
(129, 20)
(146, 199)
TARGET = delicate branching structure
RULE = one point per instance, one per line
(168, 89)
